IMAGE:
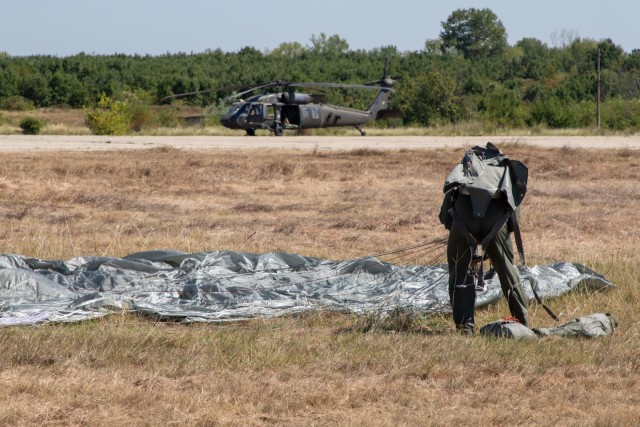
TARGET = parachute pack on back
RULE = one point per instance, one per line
(486, 173)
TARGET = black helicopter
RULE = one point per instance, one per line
(292, 110)
(287, 109)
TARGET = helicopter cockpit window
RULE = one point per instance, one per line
(240, 108)
(234, 108)
(256, 110)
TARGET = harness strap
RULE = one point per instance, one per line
(495, 230)
(485, 243)
(462, 228)
(535, 294)
(518, 237)
(489, 237)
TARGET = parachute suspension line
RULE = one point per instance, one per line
(434, 242)
(421, 249)
(426, 248)
(431, 252)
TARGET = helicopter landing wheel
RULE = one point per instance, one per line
(277, 131)
(251, 132)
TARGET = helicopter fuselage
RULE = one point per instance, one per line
(288, 110)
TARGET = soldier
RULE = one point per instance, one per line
(480, 210)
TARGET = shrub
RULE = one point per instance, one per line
(109, 117)
(502, 107)
(621, 114)
(169, 118)
(141, 117)
(16, 103)
(31, 125)
(556, 114)
(430, 98)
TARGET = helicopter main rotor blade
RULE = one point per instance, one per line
(182, 95)
(279, 83)
(262, 86)
(334, 85)
(382, 80)
(244, 90)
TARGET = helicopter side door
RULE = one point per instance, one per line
(310, 116)
(290, 116)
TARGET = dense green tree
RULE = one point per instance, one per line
(329, 46)
(579, 58)
(632, 61)
(8, 82)
(34, 87)
(288, 50)
(611, 55)
(535, 59)
(474, 32)
(66, 89)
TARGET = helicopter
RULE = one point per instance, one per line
(287, 109)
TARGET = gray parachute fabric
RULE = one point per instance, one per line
(591, 326)
(508, 329)
(226, 285)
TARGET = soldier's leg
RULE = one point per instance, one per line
(500, 252)
(461, 295)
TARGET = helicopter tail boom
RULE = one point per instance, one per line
(381, 101)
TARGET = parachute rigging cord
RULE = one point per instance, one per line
(435, 253)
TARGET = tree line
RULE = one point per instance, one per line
(469, 73)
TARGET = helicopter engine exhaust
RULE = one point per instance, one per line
(295, 98)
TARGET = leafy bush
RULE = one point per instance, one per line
(620, 114)
(109, 117)
(555, 114)
(141, 117)
(503, 108)
(31, 125)
(169, 118)
(16, 103)
(214, 111)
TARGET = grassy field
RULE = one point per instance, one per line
(320, 368)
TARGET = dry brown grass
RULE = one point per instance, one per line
(316, 369)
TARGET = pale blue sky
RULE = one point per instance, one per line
(67, 27)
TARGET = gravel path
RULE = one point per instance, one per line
(96, 143)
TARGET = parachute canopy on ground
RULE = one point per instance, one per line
(226, 285)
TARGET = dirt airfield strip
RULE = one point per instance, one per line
(13, 143)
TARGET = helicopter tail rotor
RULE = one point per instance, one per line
(386, 80)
